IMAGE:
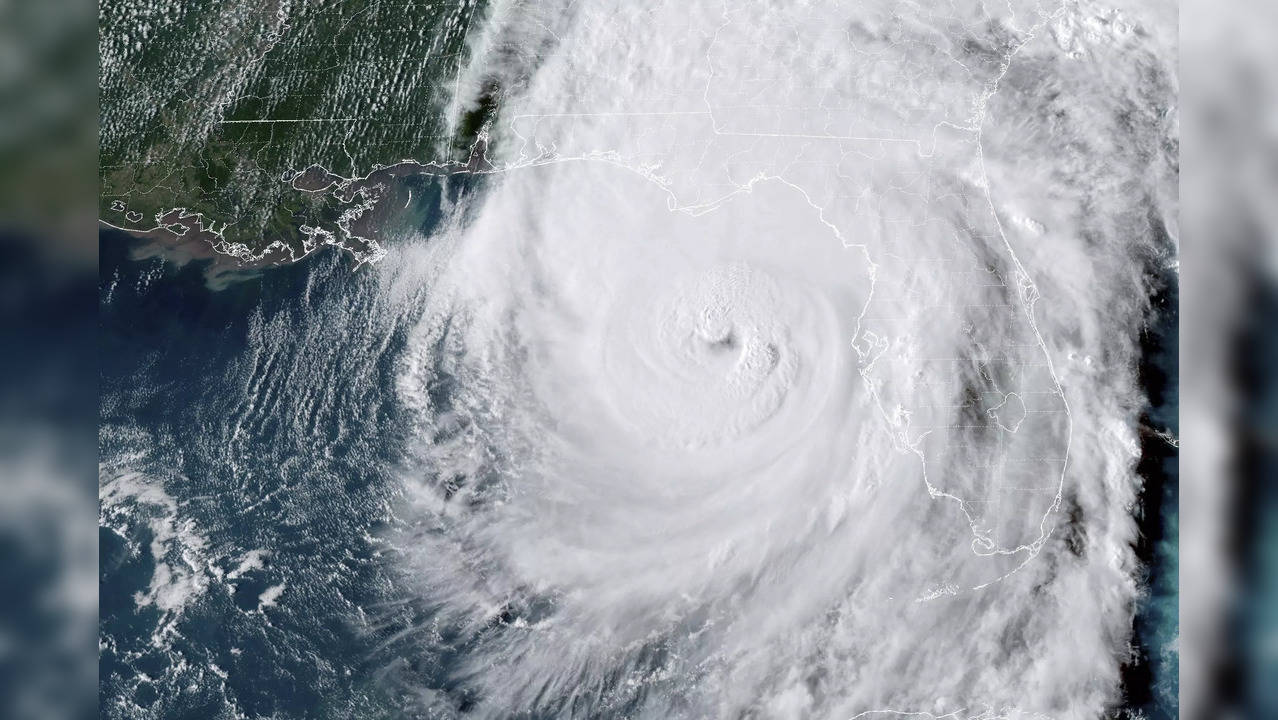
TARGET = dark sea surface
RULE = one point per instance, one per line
(1151, 679)
(251, 440)
(262, 441)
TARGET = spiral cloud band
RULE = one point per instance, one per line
(786, 365)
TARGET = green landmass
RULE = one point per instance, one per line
(213, 108)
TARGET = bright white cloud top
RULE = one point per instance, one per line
(791, 359)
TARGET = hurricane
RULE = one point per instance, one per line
(778, 424)
(765, 360)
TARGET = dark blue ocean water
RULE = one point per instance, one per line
(1151, 679)
(265, 414)
(213, 397)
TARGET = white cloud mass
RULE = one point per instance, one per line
(791, 359)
